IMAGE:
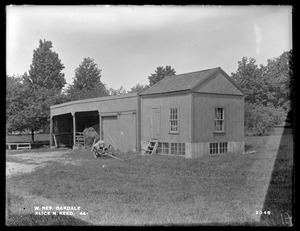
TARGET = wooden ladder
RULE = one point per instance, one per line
(152, 146)
(79, 139)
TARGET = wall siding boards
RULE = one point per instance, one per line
(204, 115)
(164, 103)
(121, 128)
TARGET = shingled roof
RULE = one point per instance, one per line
(180, 82)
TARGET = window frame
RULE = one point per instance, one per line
(177, 149)
(216, 148)
(171, 149)
(174, 148)
(181, 149)
(219, 121)
(163, 148)
(223, 147)
(174, 118)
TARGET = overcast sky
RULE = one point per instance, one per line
(129, 42)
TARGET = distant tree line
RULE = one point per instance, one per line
(29, 96)
(269, 91)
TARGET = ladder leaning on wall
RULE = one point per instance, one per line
(152, 146)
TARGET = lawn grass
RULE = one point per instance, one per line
(162, 190)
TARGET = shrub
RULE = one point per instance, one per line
(261, 118)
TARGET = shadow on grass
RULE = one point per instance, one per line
(47, 220)
(279, 198)
(248, 147)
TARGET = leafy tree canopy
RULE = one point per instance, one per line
(119, 91)
(138, 88)
(29, 97)
(160, 73)
(87, 75)
(28, 108)
(268, 91)
(98, 90)
(86, 83)
(265, 84)
(46, 67)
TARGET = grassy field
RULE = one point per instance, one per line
(229, 189)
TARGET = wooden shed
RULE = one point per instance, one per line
(188, 115)
(111, 116)
(194, 114)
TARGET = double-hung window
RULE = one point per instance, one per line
(219, 120)
(173, 122)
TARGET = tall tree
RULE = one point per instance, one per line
(46, 67)
(277, 74)
(28, 108)
(292, 87)
(248, 77)
(86, 75)
(14, 104)
(267, 91)
(87, 82)
(29, 105)
(98, 90)
(160, 73)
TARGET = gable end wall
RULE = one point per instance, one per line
(203, 117)
(218, 84)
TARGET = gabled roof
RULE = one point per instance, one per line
(184, 82)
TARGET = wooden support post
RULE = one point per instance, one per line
(74, 129)
(100, 126)
(51, 131)
(55, 142)
(138, 124)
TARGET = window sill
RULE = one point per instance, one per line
(164, 154)
(219, 133)
(173, 133)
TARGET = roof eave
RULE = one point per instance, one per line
(166, 93)
(91, 100)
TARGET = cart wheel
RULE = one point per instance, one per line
(95, 152)
(110, 149)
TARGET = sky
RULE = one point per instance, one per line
(129, 42)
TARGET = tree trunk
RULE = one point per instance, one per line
(32, 135)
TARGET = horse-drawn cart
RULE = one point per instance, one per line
(103, 149)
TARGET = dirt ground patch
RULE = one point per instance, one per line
(31, 161)
(17, 168)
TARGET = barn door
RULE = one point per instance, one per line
(110, 129)
(127, 131)
(155, 122)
